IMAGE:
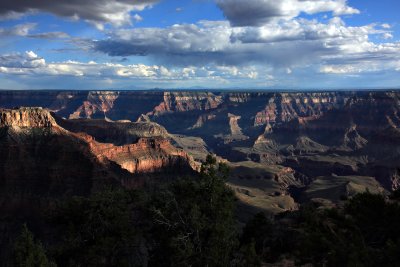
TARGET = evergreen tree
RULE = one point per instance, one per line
(101, 230)
(28, 253)
(193, 221)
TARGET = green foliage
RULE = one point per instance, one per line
(395, 194)
(363, 233)
(28, 253)
(193, 221)
(258, 231)
(248, 256)
(101, 230)
(327, 238)
(190, 222)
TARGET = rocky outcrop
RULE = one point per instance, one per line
(117, 133)
(305, 145)
(187, 101)
(313, 133)
(147, 155)
(202, 120)
(285, 107)
(97, 102)
(26, 117)
(353, 140)
(233, 123)
(39, 158)
(236, 133)
(33, 138)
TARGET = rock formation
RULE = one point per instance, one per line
(315, 134)
(35, 148)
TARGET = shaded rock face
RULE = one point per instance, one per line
(314, 134)
(286, 107)
(117, 133)
(86, 104)
(42, 163)
(39, 157)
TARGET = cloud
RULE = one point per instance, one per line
(181, 44)
(387, 35)
(278, 44)
(30, 64)
(137, 18)
(260, 12)
(18, 30)
(24, 30)
(281, 48)
(371, 59)
(28, 70)
(98, 12)
(21, 61)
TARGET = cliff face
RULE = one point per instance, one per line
(26, 117)
(148, 155)
(97, 103)
(118, 133)
(265, 107)
(286, 107)
(39, 156)
(313, 133)
(185, 101)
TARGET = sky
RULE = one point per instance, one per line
(185, 44)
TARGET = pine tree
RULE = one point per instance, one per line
(28, 253)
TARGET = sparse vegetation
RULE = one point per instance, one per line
(191, 222)
(29, 252)
(363, 233)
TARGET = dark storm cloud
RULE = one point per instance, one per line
(249, 13)
(260, 12)
(97, 11)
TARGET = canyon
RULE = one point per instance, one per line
(283, 148)
(48, 156)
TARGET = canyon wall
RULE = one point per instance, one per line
(312, 134)
(38, 154)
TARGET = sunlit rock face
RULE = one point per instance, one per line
(286, 107)
(38, 156)
(187, 101)
(313, 134)
(26, 117)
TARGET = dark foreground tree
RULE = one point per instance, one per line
(102, 230)
(28, 252)
(365, 232)
(193, 221)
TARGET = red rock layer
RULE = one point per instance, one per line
(26, 117)
(186, 101)
(285, 107)
(148, 155)
(97, 102)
